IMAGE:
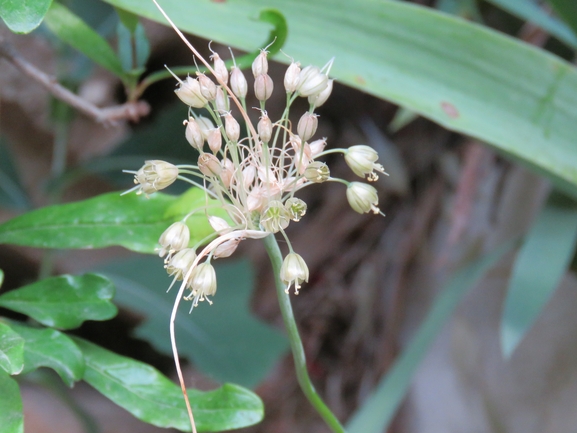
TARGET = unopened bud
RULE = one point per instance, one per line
(227, 172)
(155, 175)
(189, 92)
(291, 77)
(362, 197)
(275, 217)
(263, 87)
(174, 238)
(320, 98)
(264, 128)
(219, 224)
(260, 64)
(214, 139)
(193, 134)
(226, 249)
(317, 146)
(231, 127)
(248, 176)
(205, 125)
(311, 81)
(307, 126)
(207, 87)
(219, 68)
(317, 172)
(209, 165)
(221, 100)
(238, 83)
(296, 208)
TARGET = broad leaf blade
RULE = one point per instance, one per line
(132, 221)
(542, 261)
(11, 350)
(44, 347)
(12, 193)
(64, 302)
(151, 397)
(224, 340)
(11, 415)
(567, 9)
(23, 16)
(377, 411)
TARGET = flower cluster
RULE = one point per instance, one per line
(255, 177)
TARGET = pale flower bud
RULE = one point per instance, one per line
(317, 172)
(319, 99)
(205, 125)
(202, 283)
(209, 165)
(227, 172)
(294, 270)
(207, 87)
(263, 87)
(248, 176)
(219, 224)
(214, 139)
(362, 197)
(180, 263)
(291, 77)
(311, 81)
(238, 83)
(256, 198)
(193, 134)
(155, 175)
(260, 64)
(221, 100)
(275, 217)
(189, 92)
(307, 126)
(174, 238)
(220, 68)
(226, 249)
(362, 160)
(317, 146)
(264, 128)
(231, 127)
(296, 208)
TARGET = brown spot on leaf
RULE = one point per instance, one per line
(450, 109)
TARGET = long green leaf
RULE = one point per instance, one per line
(464, 76)
(377, 411)
(11, 415)
(72, 30)
(567, 9)
(11, 350)
(131, 221)
(541, 262)
(23, 16)
(64, 302)
(151, 397)
(44, 347)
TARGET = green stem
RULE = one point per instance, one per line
(297, 349)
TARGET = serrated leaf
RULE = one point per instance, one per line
(224, 340)
(44, 347)
(65, 301)
(132, 221)
(71, 29)
(151, 397)
(11, 414)
(541, 263)
(11, 350)
(23, 16)
(377, 411)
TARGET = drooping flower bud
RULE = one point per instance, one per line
(291, 77)
(294, 270)
(260, 64)
(193, 134)
(221, 100)
(238, 83)
(207, 87)
(264, 128)
(307, 126)
(214, 140)
(227, 172)
(202, 283)
(296, 208)
(226, 249)
(180, 263)
(189, 92)
(219, 224)
(311, 81)
(263, 87)
(209, 165)
(205, 125)
(317, 146)
(275, 217)
(155, 175)
(362, 197)
(362, 160)
(231, 127)
(248, 176)
(174, 238)
(219, 68)
(317, 172)
(320, 98)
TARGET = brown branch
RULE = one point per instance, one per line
(108, 116)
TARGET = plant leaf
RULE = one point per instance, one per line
(567, 9)
(463, 76)
(12, 194)
(23, 16)
(240, 349)
(45, 347)
(11, 350)
(11, 415)
(64, 302)
(377, 411)
(541, 263)
(71, 29)
(151, 397)
(132, 221)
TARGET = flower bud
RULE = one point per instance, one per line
(263, 87)
(264, 128)
(317, 172)
(193, 134)
(260, 64)
(219, 224)
(275, 217)
(291, 77)
(320, 98)
(214, 139)
(189, 92)
(256, 198)
(227, 172)
(205, 126)
(202, 283)
(317, 146)
(209, 165)
(362, 197)
(307, 126)
(294, 270)
(207, 87)
(219, 68)
(238, 83)
(296, 208)
(155, 175)
(311, 81)
(180, 263)
(174, 238)
(221, 100)
(362, 161)
(231, 127)
(248, 176)
(226, 249)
